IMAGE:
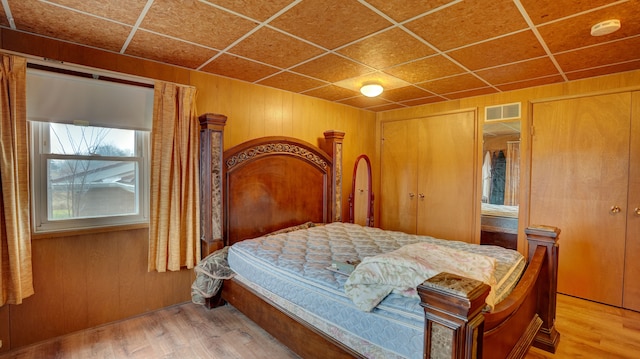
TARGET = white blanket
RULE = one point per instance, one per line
(402, 270)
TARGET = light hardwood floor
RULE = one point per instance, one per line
(185, 331)
(593, 330)
(189, 331)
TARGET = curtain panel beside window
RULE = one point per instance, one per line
(15, 236)
(174, 221)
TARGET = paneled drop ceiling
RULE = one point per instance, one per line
(421, 51)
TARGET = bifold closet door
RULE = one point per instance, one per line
(446, 176)
(399, 176)
(631, 294)
(428, 176)
(579, 183)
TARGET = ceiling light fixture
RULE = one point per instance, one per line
(605, 27)
(371, 89)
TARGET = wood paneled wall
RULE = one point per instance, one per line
(602, 84)
(254, 111)
(90, 279)
(498, 142)
(87, 279)
(84, 280)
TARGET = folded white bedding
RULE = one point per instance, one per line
(402, 270)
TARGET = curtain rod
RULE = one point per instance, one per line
(86, 75)
(38, 61)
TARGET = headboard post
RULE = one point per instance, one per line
(211, 211)
(333, 146)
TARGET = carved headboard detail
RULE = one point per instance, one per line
(275, 147)
(265, 184)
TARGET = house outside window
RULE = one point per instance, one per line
(88, 176)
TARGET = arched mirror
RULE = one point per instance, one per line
(361, 197)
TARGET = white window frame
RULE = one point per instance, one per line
(40, 154)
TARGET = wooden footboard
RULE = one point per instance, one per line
(456, 326)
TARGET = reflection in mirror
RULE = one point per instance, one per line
(361, 197)
(500, 183)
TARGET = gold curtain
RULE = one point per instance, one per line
(174, 228)
(512, 176)
(15, 233)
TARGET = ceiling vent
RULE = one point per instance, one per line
(510, 111)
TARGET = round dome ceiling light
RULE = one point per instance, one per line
(605, 27)
(371, 89)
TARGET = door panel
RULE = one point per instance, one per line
(446, 176)
(631, 297)
(579, 171)
(399, 176)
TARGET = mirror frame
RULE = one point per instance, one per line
(369, 221)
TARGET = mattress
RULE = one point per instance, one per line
(290, 269)
(499, 210)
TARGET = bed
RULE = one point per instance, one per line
(269, 185)
(499, 225)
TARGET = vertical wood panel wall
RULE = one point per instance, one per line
(255, 111)
(602, 84)
(85, 280)
(88, 279)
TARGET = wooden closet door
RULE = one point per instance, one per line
(446, 176)
(631, 294)
(398, 176)
(579, 172)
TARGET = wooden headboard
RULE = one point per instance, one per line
(272, 183)
(265, 184)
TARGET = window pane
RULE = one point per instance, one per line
(91, 188)
(84, 140)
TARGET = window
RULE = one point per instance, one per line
(89, 150)
(88, 176)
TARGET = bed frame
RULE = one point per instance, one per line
(274, 182)
(499, 231)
